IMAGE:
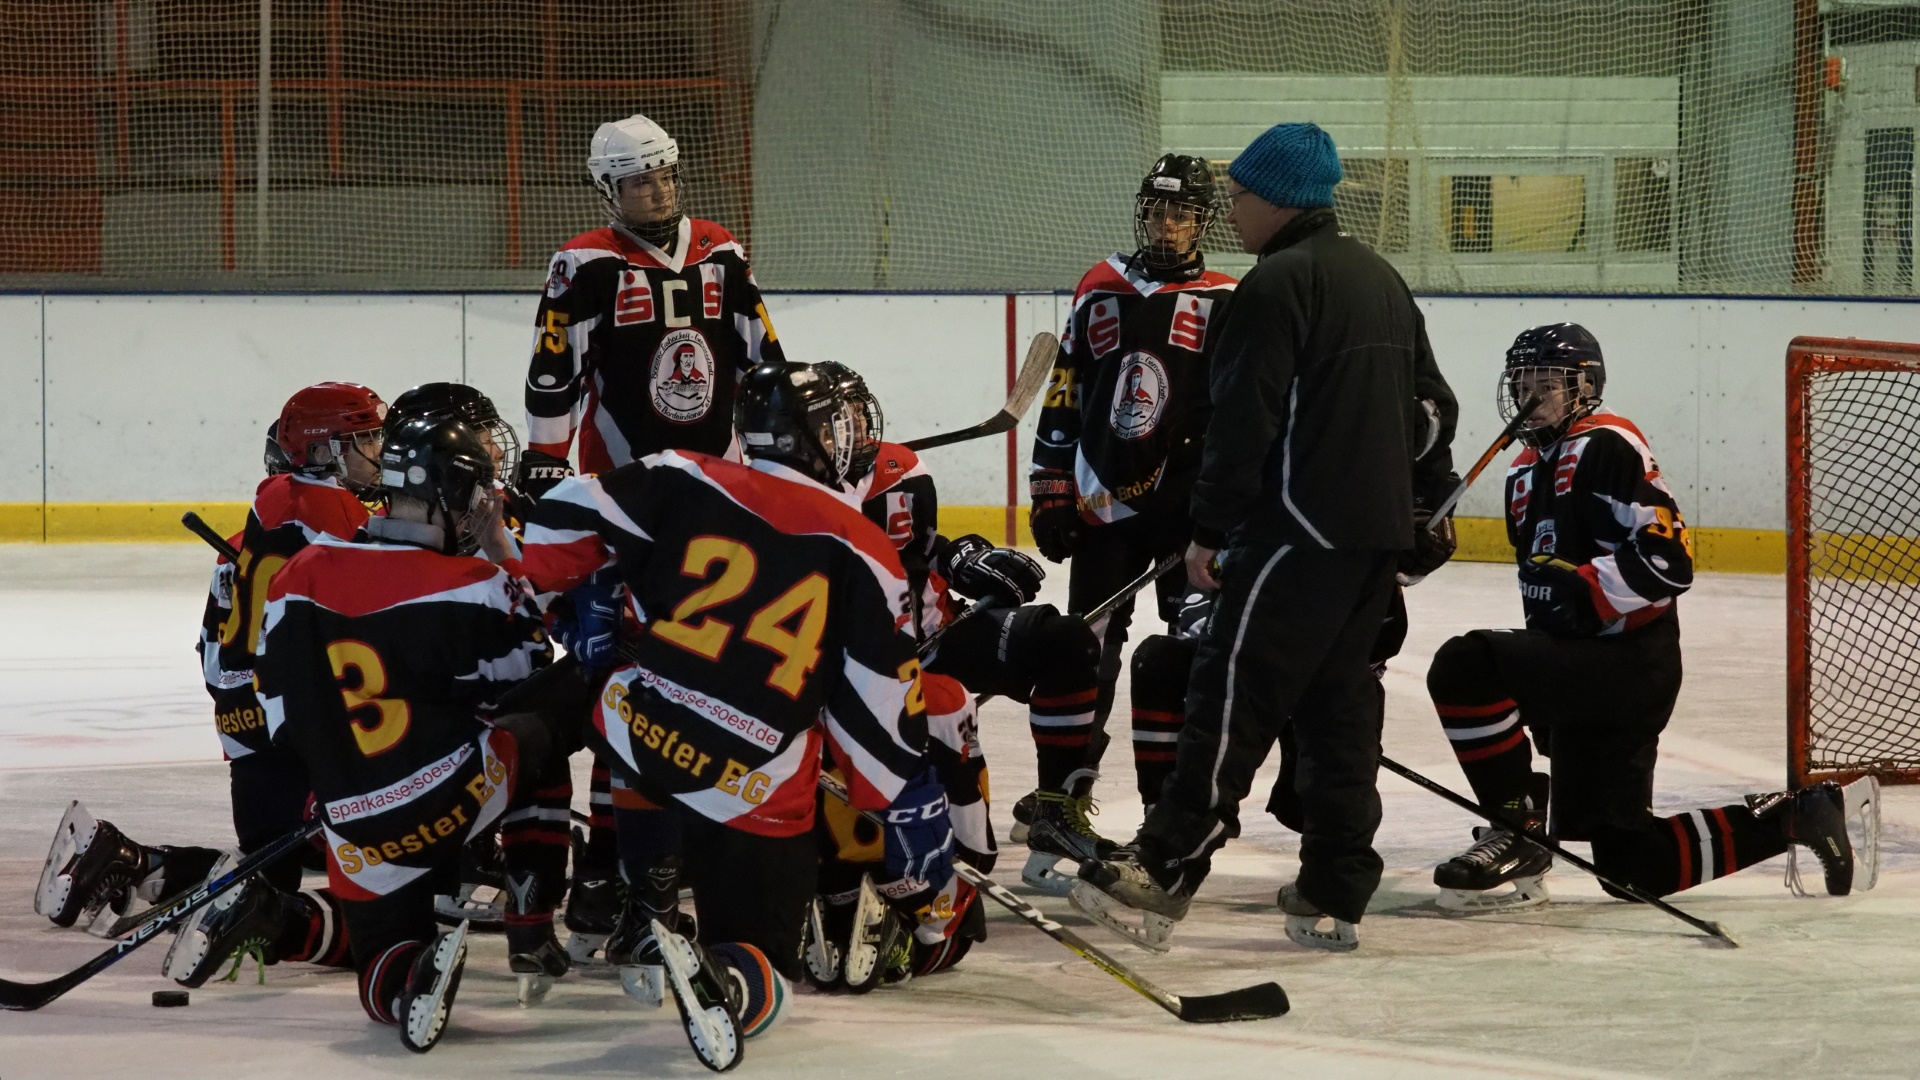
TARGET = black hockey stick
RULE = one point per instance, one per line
(1712, 929)
(1506, 438)
(205, 532)
(1262, 1002)
(1026, 387)
(1100, 611)
(24, 996)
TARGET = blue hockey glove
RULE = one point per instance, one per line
(919, 836)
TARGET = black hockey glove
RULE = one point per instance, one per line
(1557, 598)
(991, 576)
(1054, 516)
(538, 473)
(919, 836)
(1431, 548)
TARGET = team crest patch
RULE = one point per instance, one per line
(683, 376)
(1140, 396)
(559, 279)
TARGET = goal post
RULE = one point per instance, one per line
(1853, 560)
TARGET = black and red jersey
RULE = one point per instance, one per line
(644, 349)
(1596, 499)
(237, 716)
(899, 496)
(774, 620)
(1127, 409)
(378, 663)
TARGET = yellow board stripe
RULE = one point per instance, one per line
(1738, 551)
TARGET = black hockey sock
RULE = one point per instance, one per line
(384, 979)
(647, 834)
(1062, 723)
(1482, 723)
(533, 845)
(602, 850)
(1669, 854)
(1159, 684)
(315, 933)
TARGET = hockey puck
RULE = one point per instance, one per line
(169, 999)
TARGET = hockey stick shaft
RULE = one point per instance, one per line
(1041, 352)
(1506, 438)
(1249, 1003)
(1712, 929)
(205, 532)
(25, 996)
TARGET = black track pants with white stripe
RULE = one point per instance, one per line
(1289, 642)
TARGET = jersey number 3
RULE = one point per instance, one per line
(362, 676)
(790, 625)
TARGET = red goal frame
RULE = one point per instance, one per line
(1808, 357)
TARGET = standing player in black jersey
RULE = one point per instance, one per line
(775, 642)
(323, 464)
(377, 666)
(647, 323)
(1603, 555)
(1120, 434)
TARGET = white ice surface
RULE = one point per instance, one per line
(100, 699)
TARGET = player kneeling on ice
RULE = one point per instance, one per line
(378, 665)
(322, 461)
(1603, 555)
(774, 618)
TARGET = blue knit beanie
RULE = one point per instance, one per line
(1289, 165)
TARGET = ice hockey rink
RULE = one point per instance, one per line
(101, 701)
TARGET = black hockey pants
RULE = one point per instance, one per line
(1106, 559)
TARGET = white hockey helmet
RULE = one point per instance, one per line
(631, 147)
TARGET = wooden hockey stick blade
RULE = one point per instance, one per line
(1249, 1003)
(1711, 929)
(1026, 387)
(205, 532)
(1506, 437)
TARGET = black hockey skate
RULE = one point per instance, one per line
(1498, 857)
(533, 951)
(1111, 891)
(707, 997)
(1024, 809)
(249, 921)
(92, 866)
(1308, 926)
(593, 906)
(1059, 830)
(1817, 818)
(431, 986)
(631, 947)
(480, 899)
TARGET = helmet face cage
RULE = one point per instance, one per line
(664, 226)
(501, 437)
(833, 426)
(464, 527)
(869, 423)
(1566, 386)
(1149, 209)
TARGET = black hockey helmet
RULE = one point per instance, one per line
(869, 424)
(275, 458)
(445, 464)
(1561, 363)
(458, 401)
(1178, 185)
(795, 415)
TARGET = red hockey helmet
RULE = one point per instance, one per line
(316, 422)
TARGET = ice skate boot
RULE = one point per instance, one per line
(593, 906)
(1120, 890)
(533, 951)
(1023, 810)
(631, 947)
(1307, 925)
(480, 899)
(1498, 857)
(706, 996)
(1060, 830)
(1816, 817)
(431, 985)
(90, 865)
(248, 921)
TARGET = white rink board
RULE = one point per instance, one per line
(164, 398)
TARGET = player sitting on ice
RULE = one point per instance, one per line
(994, 641)
(775, 619)
(323, 463)
(1118, 446)
(857, 937)
(379, 662)
(1603, 555)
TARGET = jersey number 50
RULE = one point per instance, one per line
(790, 625)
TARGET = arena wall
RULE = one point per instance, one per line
(119, 412)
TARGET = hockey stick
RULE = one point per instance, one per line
(205, 532)
(1506, 438)
(1026, 387)
(1100, 611)
(24, 996)
(1262, 1002)
(1712, 929)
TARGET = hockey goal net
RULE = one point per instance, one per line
(1853, 559)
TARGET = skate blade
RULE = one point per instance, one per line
(1305, 930)
(1525, 893)
(711, 1031)
(1039, 875)
(1863, 806)
(645, 983)
(72, 836)
(421, 1029)
(534, 987)
(861, 972)
(822, 957)
(1154, 933)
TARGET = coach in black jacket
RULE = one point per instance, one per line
(1331, 424)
